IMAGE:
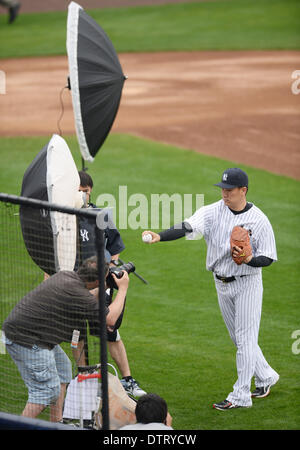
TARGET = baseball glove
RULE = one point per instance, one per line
(240, 238)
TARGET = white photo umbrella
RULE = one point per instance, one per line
(50, 236)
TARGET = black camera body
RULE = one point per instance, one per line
(118, 271)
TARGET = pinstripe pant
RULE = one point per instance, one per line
(240, 302)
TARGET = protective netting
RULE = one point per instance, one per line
(43, 299)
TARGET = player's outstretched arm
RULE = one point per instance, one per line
(176, 232)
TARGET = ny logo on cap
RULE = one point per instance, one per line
(225, 176)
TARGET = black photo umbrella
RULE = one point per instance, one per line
(95, 78)
(50, 237)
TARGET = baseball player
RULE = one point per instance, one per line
(113, 246)
(237, 270)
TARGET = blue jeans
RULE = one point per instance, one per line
(42, 370)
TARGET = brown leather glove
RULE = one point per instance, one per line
(240, 245)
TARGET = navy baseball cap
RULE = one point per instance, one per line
(233, 178)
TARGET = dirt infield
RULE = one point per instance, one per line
(234, 105)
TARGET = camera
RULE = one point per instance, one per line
(118, 272)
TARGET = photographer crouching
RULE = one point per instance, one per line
(46, 317)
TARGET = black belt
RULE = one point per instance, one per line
(228, 279)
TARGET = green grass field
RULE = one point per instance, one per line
(218, 25)
(176, 340)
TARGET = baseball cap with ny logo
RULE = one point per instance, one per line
(233, 178)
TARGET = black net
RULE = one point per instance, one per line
(49, 319)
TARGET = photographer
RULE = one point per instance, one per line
(44, 318)
(113, 247)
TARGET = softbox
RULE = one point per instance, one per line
(95, 78)
(50, 237)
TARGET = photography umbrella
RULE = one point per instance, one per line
(96, 80)
(50, 237)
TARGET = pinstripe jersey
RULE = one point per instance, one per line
(215, 223)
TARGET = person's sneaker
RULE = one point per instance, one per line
(263, 391)
(223, 406)
(132, 387)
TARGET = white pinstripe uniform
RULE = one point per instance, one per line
(240, 301)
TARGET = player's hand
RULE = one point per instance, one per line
(236, 253)
(122, 282)
(155, 236)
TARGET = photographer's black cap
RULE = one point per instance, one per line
(233, 178)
